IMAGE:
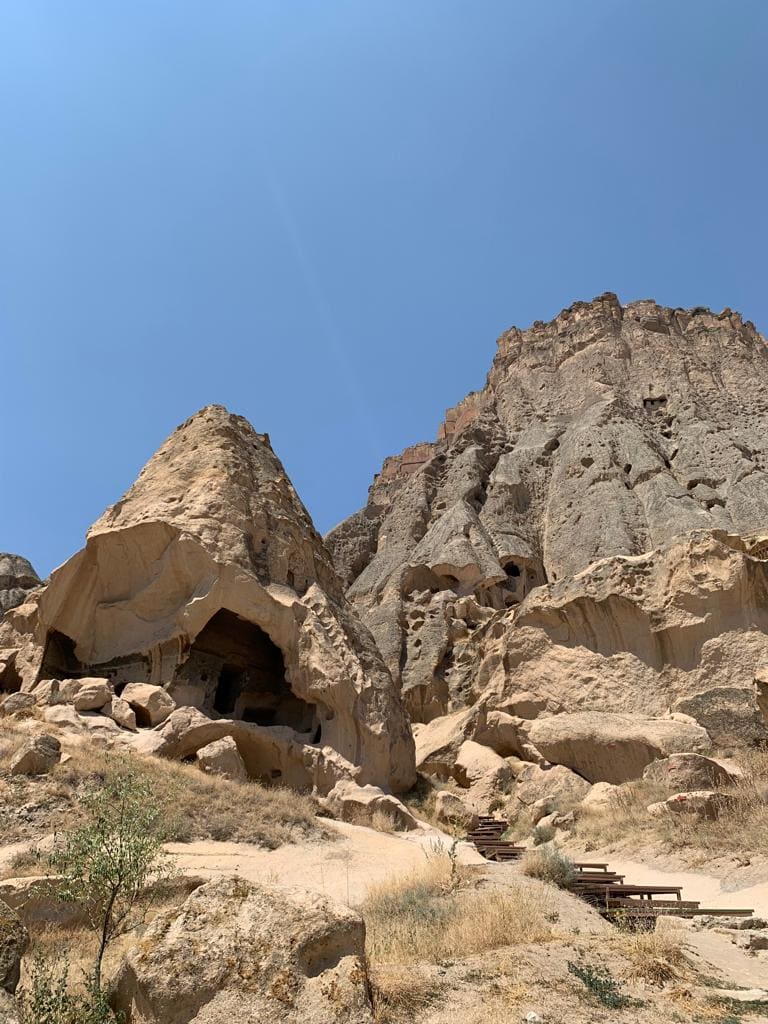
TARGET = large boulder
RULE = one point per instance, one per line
(453, 812)
(17, 704)
(14, 940)
(612, 748)
(92, 695)
(221, 757)
(242, 952)
(208, 581)
(682, 773)
(150, 704)
(554, 782)
(703, 804)
(368, 805)
(730, 714)
(37, 756)
(121, 712)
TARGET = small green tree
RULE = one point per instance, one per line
(108, 861)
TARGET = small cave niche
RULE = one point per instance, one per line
(654, 403)
(59, 658)
(245, 673)
(10, 680)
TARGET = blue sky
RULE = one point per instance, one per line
(322, 214)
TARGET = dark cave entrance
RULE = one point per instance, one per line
(59, 659)
(244, 673)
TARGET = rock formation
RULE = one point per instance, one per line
(17, 579)
(589, 532)
(242, 952)
(208, 579)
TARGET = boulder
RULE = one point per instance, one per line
(14, 940)
(92, 695)
(243, 952)
(761, 692)
(65, 717)
(450, 810)
(56, 691)
(730, 714)
(438, 742)
(37, 756)
(599, 798)
(564, 787)
(358, 804)
(542, 808)
(121, 712)
(487, 793)
(222, 758)
(705, 804)
(150, 704)
(37, 902)
(604, 747)
(17, 704)
(680, 773)
(474, 762)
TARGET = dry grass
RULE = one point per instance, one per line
(200, 806)
(381, 821)
(741, 826)
(399, 994)
(427, 915)
(655, 956)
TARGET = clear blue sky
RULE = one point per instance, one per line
(322, 214)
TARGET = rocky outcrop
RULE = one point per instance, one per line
(589, 527)
(208, 581)
(17, 579)
(686, 773)
(612, 748)
(242, 952)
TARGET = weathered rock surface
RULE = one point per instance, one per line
(150, 704)
(452, 811)
(17, 703)
(121, 712)
(208, 580)
(17, 579)
(599, 438)
(555, 782)
(222, 758)
(681, 773)
(705, 803)
(612, 748)
(37, 756)
(600, 796)
(241, 952)
(92, 695)
(14, 940)
(359, 804)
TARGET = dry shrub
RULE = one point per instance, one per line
(740, 827)
(424, 915)
(398, 994)
(550, 865)
(655, 955)
(380, 820)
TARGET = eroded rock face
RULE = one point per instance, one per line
(17, 579)
(208, 581)
(242, 952)
(543, 541)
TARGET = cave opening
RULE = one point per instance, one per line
(59, 658)
(246, 675)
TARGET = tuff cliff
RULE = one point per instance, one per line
(590, 525)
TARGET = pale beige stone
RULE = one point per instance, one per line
(242, 952)
(92, 695)
(685, 772)
(122, 713)
(452, 811)
(358, 804)
(36, 757)
(222, 758)
(600, 797)
(151, 704)
(611, 747)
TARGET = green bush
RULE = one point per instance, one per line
(550, 865)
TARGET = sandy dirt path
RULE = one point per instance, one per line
(342, 870)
